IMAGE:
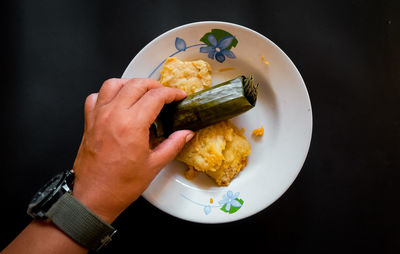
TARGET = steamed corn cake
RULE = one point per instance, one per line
(219, 150)
(189, 76)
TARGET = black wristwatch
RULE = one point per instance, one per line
(55, 202)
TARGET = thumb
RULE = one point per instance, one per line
(170, 148)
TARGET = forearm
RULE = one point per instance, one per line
(43, 237)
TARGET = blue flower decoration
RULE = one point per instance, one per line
(180, 44)
(218, 49)
(230, 200)
(207, 209)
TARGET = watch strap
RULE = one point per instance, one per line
(81, 224)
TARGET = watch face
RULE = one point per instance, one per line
(47, 189)
(43, 195)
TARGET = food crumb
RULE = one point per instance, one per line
(226, 69)
(211, 200)
(259, 132)
(190, 173)
(264, 61)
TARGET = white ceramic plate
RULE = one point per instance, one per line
(283, 108)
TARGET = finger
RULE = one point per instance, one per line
(149, 106)
(90, 105)
(109, 90)
(169, 148)
(134, 89)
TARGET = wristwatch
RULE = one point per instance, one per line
(55, 202)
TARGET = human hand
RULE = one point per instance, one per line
(115, 164)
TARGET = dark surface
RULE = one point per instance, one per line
(345, 200)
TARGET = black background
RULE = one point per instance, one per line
(345, 199)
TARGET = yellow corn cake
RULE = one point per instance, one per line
(189, 76)
(219, 150)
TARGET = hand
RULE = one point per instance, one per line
(115, 164)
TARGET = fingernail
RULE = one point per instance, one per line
(189, 137)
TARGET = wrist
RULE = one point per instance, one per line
(81, 221)
(98, 203)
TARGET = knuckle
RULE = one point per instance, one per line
(109, 83)
(150, 84)
(87, 101)
(162, 95)
(89, 97)
(134, 81)
(150, 80)
(156, 93)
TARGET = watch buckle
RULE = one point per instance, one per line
(106, 240)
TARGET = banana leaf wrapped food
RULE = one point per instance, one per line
(209, 106)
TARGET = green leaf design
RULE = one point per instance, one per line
(219, 34)
(233, 209)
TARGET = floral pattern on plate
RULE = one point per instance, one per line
(217, 44)
(230, 203)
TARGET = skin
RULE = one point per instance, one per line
(115, 163)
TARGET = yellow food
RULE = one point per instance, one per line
(226, 69)
(189, 76)
(219, 150)
(259, 131)
(190, 173)
(264, 61)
